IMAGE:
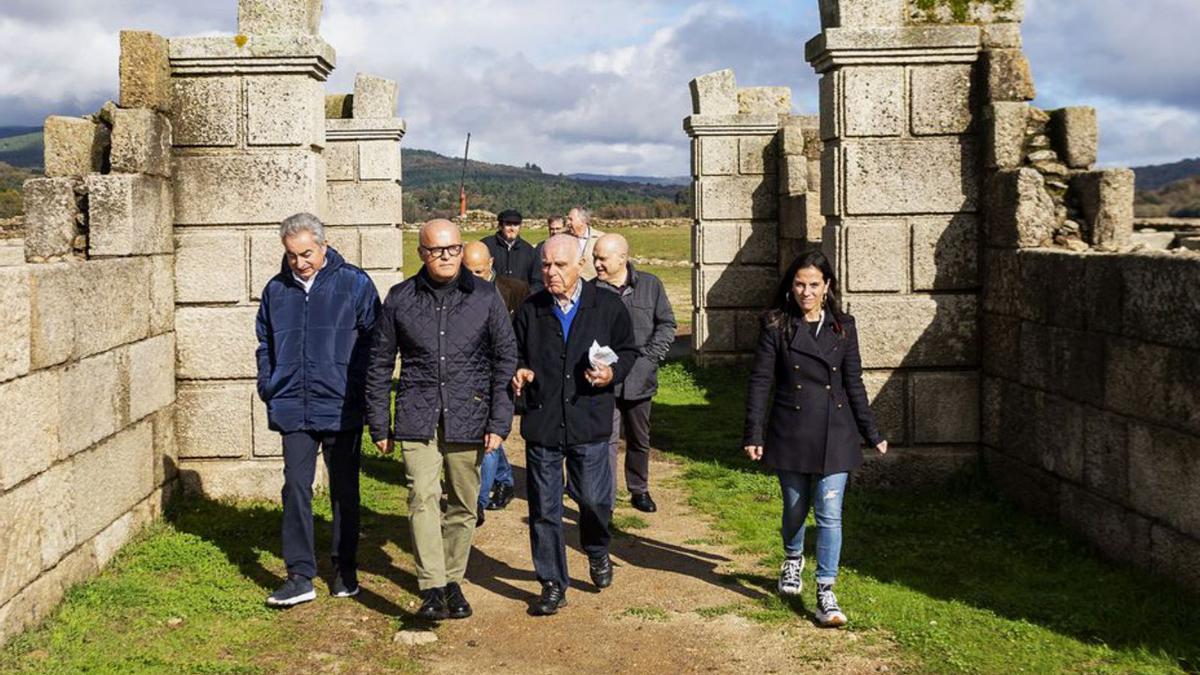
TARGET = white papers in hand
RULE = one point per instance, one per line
(601, 355)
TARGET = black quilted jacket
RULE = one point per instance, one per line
(456, 362)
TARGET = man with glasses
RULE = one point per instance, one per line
(452, 333)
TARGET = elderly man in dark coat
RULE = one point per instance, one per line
(569, 400)
(654, 331)
(313, 327)
(456, 347)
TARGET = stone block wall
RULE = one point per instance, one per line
(87, 354)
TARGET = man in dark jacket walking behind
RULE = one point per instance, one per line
(513, 256)
(313, 327)
(654, 331)
(569, 401)
(457, 354)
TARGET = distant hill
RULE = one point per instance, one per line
(21, 147)
(1179, 199)
(649, 180)
(6, 132)
(11, 180)
(1156, 176)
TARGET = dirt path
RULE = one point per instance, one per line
(668, 610)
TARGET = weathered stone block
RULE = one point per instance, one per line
(1035, 490)
(1000, 35)
(991, 409)
(166, 449)
(747, 328)
(861, 13)
(791, 135)
(122, 464)
(162, 294)
(885, 391)
(718, 155)
(793, 175)
(374, 97)
(757, 155)
(827, 99)
(716, 331)
(92, 402)
(1001, 344)
(1118, 533)
(29, 417)
(873, 100)
(145, 71)
(248, 189)
(874, 256)
(54, 292)
(129, 214)
(214, 420)
(1045, 298)
(1008, 75)
(209, 266)
(284, 110)
(20, 540)
(141, 142)
(369, 203)
(1020, 211)
(384, 281)
(719, 242)
(266, 258)
(831, 188)
(151, 375)
(55, 494)
(881, 175)
(74, 146)
(764, 100)
(205, 111)
(1006, 123)
(110, 540)
(15, 330)
(279, 17)
(738, 198)
(941, 99)
(1106, 461)
(917, 331)
(382, 247)
(945, 254)
(715, 94)
(341, 160)
(737, 286)
(52, 217)
(1175, 555)
(1076, 135)
(1150, 287)
(379, 160)
(814, 180)
(267, 443)
(945, 407)
(759, 243)
(800, 217)
(345, 240)
(1106, 199)
(215, 342)
(1164, 476)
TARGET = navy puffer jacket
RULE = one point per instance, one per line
(313, 348)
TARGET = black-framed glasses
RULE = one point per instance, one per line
(451, 251)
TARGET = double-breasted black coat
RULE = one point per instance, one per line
(819, 415)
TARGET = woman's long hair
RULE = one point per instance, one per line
(785, 313)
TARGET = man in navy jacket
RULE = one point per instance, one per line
(314, 324)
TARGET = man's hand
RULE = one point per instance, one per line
(385, 446)
(754, 452)
(882, 447)
(599, 375)
(522, 377)
(491, 442)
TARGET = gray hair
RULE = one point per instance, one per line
(303, 222)
(584, 214)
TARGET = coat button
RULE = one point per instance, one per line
(835, 369)
(799, 386)
(828, 386)
(796, 367)
(568, 377)
(797, 407)
(562, 425)
(839, 405)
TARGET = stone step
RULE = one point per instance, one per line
(1042, 156)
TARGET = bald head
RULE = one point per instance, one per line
(478, 259)
(440, 249)
(611, 259)
(561, 265)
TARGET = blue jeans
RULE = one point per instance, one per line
(825, 494)
(495, 469)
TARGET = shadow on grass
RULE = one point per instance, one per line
(962, 543)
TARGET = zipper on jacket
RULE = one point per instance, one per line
(304, 358)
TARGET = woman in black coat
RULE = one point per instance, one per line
(806, 416)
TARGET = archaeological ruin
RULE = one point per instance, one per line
(1005, 317)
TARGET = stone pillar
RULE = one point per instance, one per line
(249, 130)
(901, 172)
(364, 172)
(735, 179)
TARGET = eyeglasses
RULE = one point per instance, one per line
(452, 251)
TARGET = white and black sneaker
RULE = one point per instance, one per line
(789, 576)
(345, 584)
(828, 613)
(295, 590)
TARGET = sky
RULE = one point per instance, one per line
(602, 86)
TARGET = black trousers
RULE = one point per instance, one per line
(343, 455)
(632, 417)
(590, 474)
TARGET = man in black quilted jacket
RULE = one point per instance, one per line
(456, 347)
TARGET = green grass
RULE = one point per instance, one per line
(624, 522)
(647, 613)
(960, 580)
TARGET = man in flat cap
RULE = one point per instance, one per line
(512, 256)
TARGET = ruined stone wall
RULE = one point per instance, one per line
(87, 353)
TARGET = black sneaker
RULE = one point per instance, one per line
(553, 597)
(502, 494)
(433, 605)
(828, 613)
(601, 570)
(456, 603)
(345, 583)
(295, 590)
(643, 502)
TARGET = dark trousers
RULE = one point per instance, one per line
(343, 452)
(632, 417)
(590, 474)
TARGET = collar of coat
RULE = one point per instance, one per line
(545, 304)
(466, 280)
(631, 279)
(513, 245)
(333, 260)
(819, 347)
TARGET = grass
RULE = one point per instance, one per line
(960, 580)
(647, 613)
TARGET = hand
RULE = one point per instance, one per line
(522, 377)
(385, 446)
(491, 442)
(599, 375)
(754, 452)
(882, 447)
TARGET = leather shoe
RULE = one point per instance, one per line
(479, 518)
(601, 570)
(502, 494)
(456, 603)
(433, 605)
(642, 502)
(553, 597)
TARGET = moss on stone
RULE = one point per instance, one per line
(959, 11)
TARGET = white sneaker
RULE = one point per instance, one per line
(828, 613)
(789, 576)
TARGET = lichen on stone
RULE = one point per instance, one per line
(960, 11)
